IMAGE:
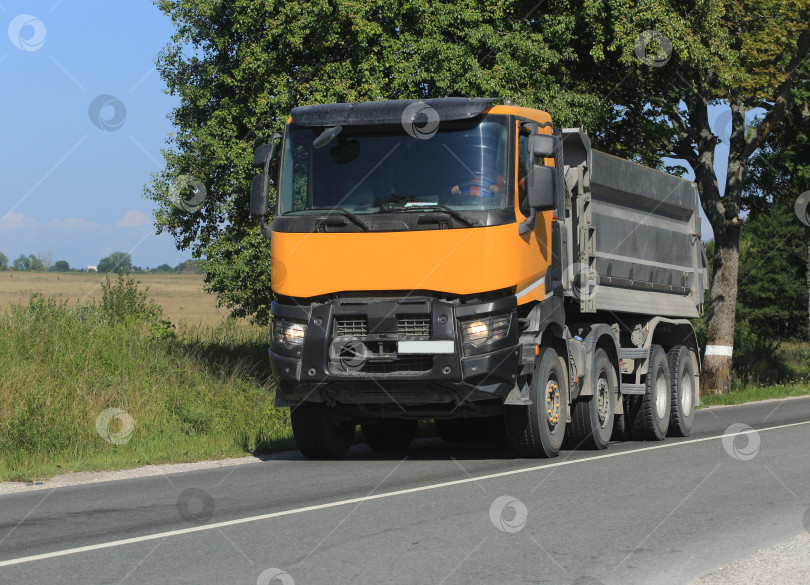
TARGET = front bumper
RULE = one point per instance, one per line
(406, 350)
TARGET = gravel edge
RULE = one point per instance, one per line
(786, 563)
(90, 477)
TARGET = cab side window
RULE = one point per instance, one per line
(524, 167)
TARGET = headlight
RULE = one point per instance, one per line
(485, 330)
(288, 333)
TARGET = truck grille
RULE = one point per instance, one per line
(412, 325)
(402, 365)
(351, 326)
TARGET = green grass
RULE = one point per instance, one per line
(193, 393)
(753, 393)
(780, 370)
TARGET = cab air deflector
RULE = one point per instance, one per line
(388, 111)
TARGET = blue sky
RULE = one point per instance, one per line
(69, 187)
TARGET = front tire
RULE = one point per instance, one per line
(538, 429)
(389, 435)
(682, 388)
(319, 433)
(592, 418)
(649, 414)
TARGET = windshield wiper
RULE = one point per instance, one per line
(440, 207)
(340, 211)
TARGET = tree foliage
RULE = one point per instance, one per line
(29, 262)
(115, 262)
(777, 179)
(773, 264)
(3, 261)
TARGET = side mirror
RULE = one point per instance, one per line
(259, 189)
(542, 188)
(260, 186)
(542, 145)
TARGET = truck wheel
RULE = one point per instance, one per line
(681, 380)
(451, 430)
(390, 434)
(538, 429)
(592, 418)
(318, 433)
(649, 414)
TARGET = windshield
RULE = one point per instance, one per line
(463, 167)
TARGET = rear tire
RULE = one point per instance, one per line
(389, 435)
(318, 433)
(682, 388)
(538, 429)
(649, 414)
(592, 417)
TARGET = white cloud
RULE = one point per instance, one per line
(17, 221)
(133, 218)
(71, 224)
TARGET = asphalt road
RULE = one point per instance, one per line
(645, 513)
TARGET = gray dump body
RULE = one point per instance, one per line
(631, 235)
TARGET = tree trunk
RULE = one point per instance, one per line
(716, 378)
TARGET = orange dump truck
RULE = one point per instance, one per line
(467, 262)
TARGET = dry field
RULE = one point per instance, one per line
(181, 295)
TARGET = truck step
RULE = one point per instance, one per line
(634, 388)
(635, 353)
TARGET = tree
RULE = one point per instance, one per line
(163, 268)
(782, 173)
(29, 262)
(238, 69)
(743, 54)
(3, 261)
(772, 293)
(61, 266)
(115, 262)
(22, 263)
(46, 258)
(189, 266)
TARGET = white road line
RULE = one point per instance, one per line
(424, 488)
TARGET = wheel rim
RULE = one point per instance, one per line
(661, 393)
(553, 402)
(687, 393)
(603, 398)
